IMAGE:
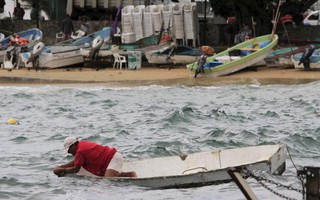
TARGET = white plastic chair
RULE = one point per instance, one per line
(119, 60)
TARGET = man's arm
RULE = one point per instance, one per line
(69, 164)
(72, 170)
(69, 168)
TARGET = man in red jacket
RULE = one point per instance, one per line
(102, 161)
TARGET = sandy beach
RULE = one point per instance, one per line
(178, 75)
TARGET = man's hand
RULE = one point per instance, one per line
(59, 171)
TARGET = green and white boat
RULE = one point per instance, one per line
(236, 58)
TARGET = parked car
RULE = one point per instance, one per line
(313, 19)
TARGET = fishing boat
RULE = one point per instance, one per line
(86, 40)
(282, 57)
(107, 49)
(33, 36)
(173, 54)
(314, 60)
(55, 56)
(204, 168)
(237, 57)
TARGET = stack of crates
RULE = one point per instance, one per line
(148, 29)
(168, 17)
(157, 18)
(128, 35)
(138, 21)
(178, 30)
(191, 24)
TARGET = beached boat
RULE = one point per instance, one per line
(237, 57)
(33, 36)
(204, 168)
(314, 60)
(51, 56)
(173, 55)
(143, 45)
(282, 57)
(86, 40)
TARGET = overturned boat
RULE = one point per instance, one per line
(204, 168)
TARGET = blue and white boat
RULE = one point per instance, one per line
(33, 36)
(86, 40)
(314, 60)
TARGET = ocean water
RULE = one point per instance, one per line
(151, 121)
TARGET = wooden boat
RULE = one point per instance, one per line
(314, 60)
(282, 57)
(237, 57)
(52, 56)
(33, 36)
(204, 168)
(173, 54)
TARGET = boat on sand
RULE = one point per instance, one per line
(282, 56)
(50, 57)
(33, 36)
(237, 57)
(173, 54)
(314, 60)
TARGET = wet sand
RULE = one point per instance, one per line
(178, 75)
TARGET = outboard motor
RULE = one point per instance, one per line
(95, 47)
(78, 34)
(24, 49)
(305, 59)
(10, 59)
(31, 59)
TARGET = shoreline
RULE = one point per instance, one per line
(178, 75)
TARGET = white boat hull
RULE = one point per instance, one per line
(60, 60)
(183, 59)
(175, 59)
(205, 168)
(158, 59)
(59, 56)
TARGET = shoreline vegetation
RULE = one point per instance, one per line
(177, 75)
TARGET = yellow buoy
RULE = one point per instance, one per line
(13, 121)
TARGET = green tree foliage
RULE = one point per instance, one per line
(262, 11)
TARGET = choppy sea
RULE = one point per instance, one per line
(147, 122)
